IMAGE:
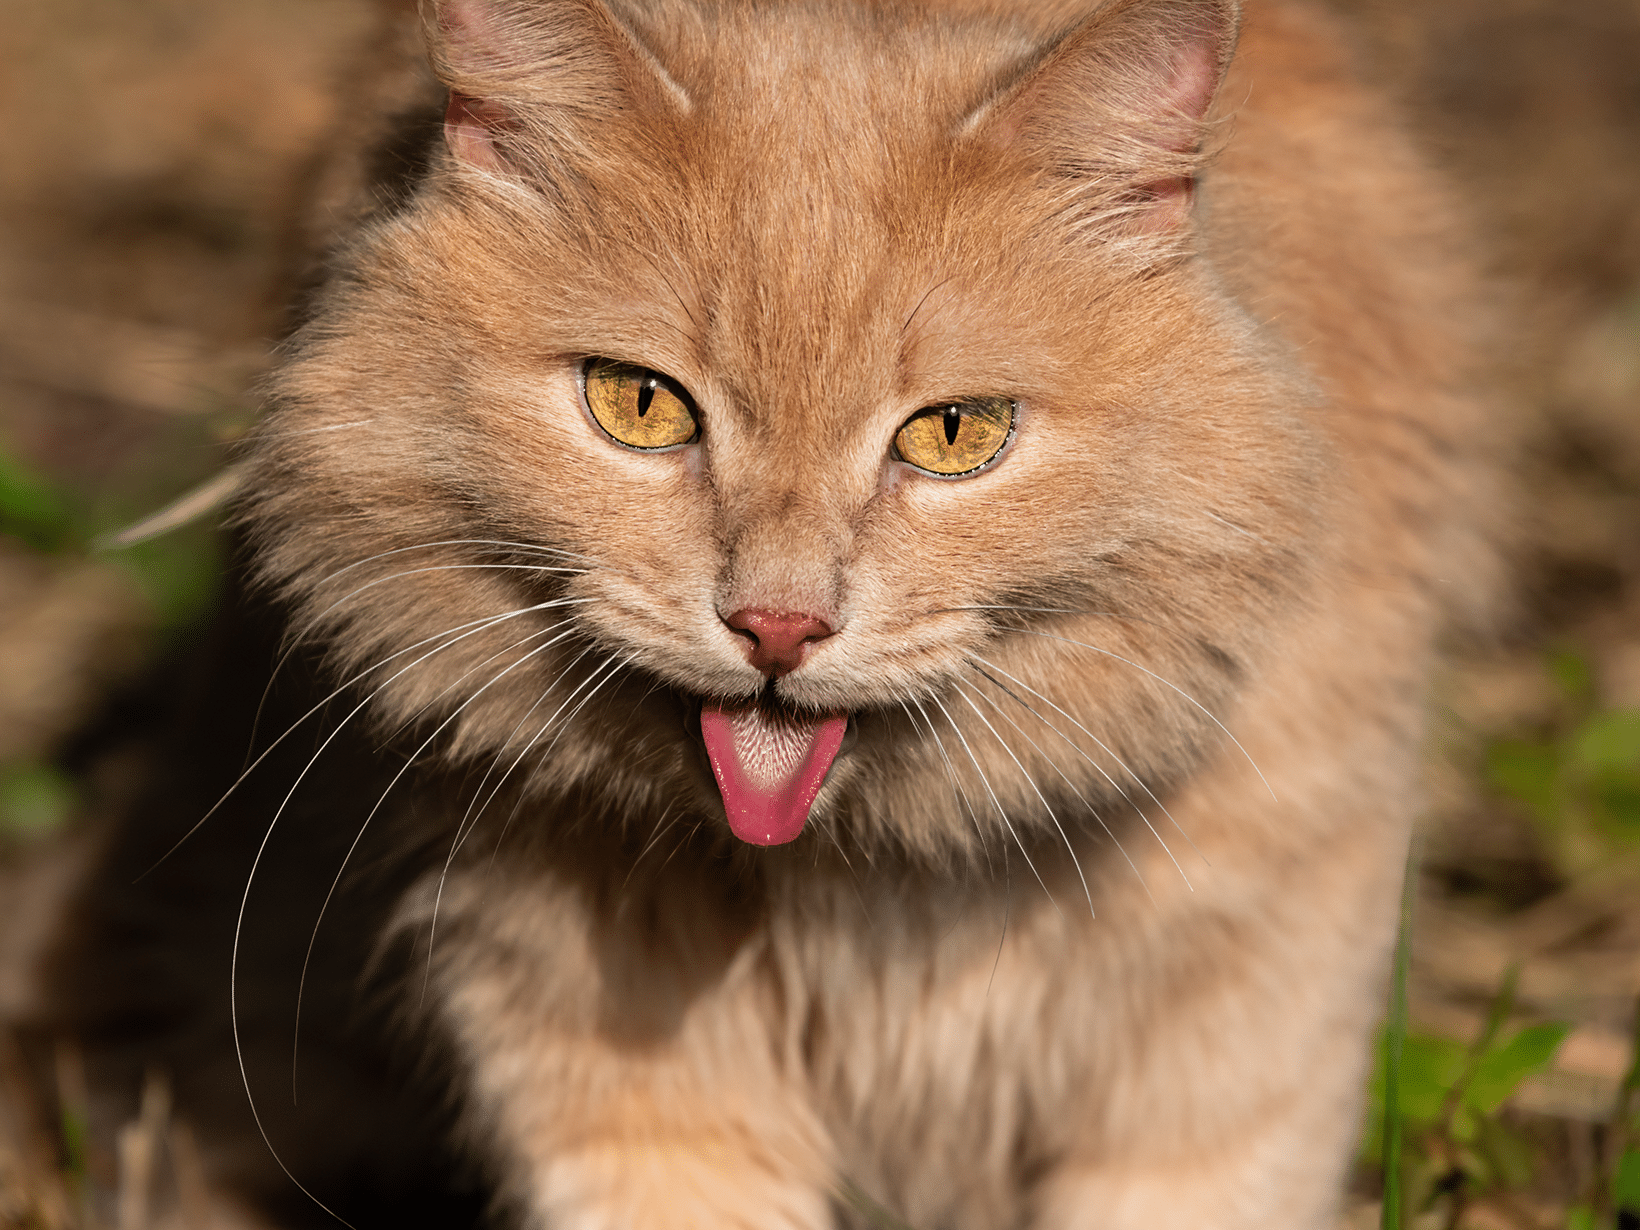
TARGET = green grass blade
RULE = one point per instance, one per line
(856, 1198)
(1395, 1036)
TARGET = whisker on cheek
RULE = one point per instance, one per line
(1069, 783)
(529, 746)
(475, 810)
(300, 633)
(610, 668)
(1035, 789)
(951, 775)
(525, 547)
(668, 820)
(1208, 713)
(409, 763)
(473, 627)
(995, 801)
(1094, 764)
(568, 631)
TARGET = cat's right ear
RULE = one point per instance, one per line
(1119, 106)
(531, 74)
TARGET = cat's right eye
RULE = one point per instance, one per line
(955, 440)
(637, 407)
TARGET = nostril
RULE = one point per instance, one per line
(778, 640)
(741, 629)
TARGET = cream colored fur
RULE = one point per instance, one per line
(1247, 487)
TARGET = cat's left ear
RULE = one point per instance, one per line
(1120, 105)
(538, 74)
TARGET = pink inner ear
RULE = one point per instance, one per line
(1127, 92)
(1194, 79)
(1187, 91)
(470, 125)
(1168, 203)
(472, 37)
(473, 41)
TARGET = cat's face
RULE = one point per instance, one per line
(798, 237)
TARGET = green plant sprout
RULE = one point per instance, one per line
(176, 576)
(31, 509)
(176, 573)
(1613, 1199)
(1442, 1101)
(35, 799)
(1394, 1045)
(1580, 782)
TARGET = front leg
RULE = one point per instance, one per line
(1282, 1173)
(1234, 1106)
(654, 1149)
(623, 1076)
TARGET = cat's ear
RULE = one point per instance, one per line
(525, 73)
(1120, 104)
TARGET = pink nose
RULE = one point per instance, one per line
(777, 640)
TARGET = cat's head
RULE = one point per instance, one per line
(750, 385)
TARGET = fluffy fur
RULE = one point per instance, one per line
(1086, 926)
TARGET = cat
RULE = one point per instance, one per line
(876, 567)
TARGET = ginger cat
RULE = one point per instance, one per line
(894, 551)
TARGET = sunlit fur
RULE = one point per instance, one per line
(1084, 928)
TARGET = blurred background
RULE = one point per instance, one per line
(165, 167)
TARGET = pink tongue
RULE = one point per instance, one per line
(769, 767)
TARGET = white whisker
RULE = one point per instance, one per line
(1031, 781)
(1165, 683)
(298, 636)
(613, 668)
(662, 827)
(476, 626)
(1231, 525)
(956, 781)
(527, 547)
(455, 683)
(537, 736)
(695, 828)
(470, 818)
(495, 758)
(410, 761)
(1054, 765)
(319, 618)
(1099, 768)
(1009, 824)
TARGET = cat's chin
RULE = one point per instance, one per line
(769, 764)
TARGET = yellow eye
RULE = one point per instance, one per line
(639, 408)
(956, 439)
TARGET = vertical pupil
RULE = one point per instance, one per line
(646, 394)
(953, 421)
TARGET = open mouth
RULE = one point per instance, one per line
(769, 764)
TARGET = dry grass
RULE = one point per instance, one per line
(54, 1177)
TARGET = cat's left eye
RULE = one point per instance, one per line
(957, 439)
(638, 407)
